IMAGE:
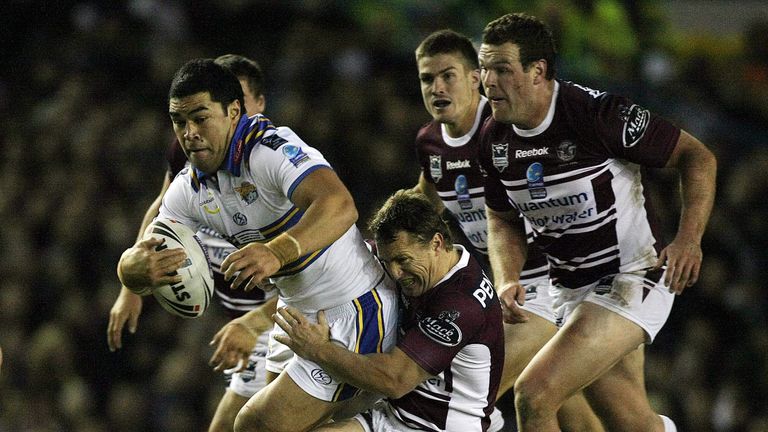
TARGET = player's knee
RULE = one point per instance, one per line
(248, 420)
(532, 398)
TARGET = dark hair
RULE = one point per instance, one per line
(409, 211)
(448, 42)
(244, 68)
(530, 34)
(204, 75)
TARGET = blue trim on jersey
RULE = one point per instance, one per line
(302, 176)
(301, 263)
(247, 136)
(282, 224)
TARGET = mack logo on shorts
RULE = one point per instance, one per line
(636, 123)
(442, 329)
(532, 152)
(320, 376)
(451, 165)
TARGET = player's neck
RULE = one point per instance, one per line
(463, 126)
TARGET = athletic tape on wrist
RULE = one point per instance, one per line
(285, 247)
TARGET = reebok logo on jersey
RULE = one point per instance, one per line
(450, 165)
(533, 152)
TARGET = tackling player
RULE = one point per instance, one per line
(444, 373)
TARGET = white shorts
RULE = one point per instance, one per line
(539, 300)
(380, 418)
(365, 325)
(645, 302)
(278, 354)
(253, 378)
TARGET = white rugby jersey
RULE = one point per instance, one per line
(248, 200)
(235, 301)
(576, 179)
(453, 166)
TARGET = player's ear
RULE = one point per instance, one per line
(438, 241)
(475, 78)
(540, 67)
(234, 109)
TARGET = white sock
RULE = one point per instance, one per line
(669, 425)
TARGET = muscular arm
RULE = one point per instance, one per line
(698, 172)
(329, 212)
(507, 250)
(392, 374)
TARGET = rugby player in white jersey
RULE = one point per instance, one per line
(451, 177)
(568, 159)
(244, 340)
(278, 200)
(444, 373)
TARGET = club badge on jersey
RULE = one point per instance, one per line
(500, 156)
(435, 167)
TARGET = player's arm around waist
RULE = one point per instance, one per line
(392, 374)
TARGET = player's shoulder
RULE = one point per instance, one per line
(466, 278)
(184, 181)
(428, 133)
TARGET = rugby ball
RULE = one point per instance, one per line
(190, 297)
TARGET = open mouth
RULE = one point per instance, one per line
(441, 103)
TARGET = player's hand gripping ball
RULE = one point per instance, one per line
(190, 297)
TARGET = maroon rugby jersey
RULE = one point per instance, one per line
(235, 302)
(454, 332)
(453, 166)
(576, 179)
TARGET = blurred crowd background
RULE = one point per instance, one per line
(84, 129)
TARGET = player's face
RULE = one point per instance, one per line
(410, 263)
(203, 128)
(448, 87)
(508, 87)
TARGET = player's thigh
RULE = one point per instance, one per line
(589, 344)
(619, 396)
(226, 412)
(348, 425)
(521, 342)
(284, 406)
